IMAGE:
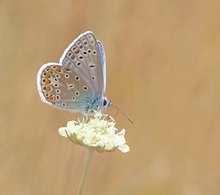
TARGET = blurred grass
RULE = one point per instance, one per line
(162, 70)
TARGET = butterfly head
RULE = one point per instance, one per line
(106, 103)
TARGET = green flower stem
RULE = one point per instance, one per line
(84, 171)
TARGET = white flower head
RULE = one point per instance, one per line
(96, 132)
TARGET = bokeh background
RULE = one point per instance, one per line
(163, 71)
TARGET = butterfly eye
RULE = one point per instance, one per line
(104, 102)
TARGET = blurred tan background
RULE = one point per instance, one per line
(163, 71)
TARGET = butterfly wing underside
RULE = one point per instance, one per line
(85, 55)
(63, 88)
(78, 82)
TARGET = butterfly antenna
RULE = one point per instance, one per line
(119, 110)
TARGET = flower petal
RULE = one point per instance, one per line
(124, 148)
(97, 132)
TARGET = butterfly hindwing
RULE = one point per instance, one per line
(63, 88)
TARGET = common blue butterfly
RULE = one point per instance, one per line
(78, 81)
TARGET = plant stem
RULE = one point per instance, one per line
(84, 171)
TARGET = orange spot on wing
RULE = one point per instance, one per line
(50, 97)
(50, 70)
(46, 75)
(58, 69)
(47, 88)
(47, 81)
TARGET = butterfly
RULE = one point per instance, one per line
(78, 82)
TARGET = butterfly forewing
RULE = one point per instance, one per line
(84, 58)
(64, 88)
